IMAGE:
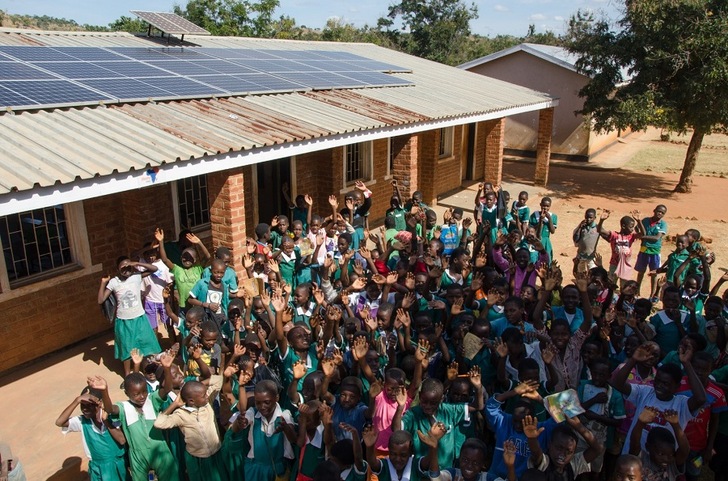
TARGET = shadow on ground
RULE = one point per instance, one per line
(621, 185)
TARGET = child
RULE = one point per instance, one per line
(279, 230)
(621, 243)
(293, 346)
(586, 238)
(346, 453)
(189, 272)
(473, 457)
(271, 436)
(654, 229)
(311, 437)
(212, 293)
(102, 441)
(147, 447)
(131, 327)
(545, 223)
(662, 395)
(521, 213)
(673, 262)
(627, 468)
(660, 459)
(153, 291)
(193, 414)
(400, 464)
(560, 460)
(230, 279)
(431, 406)
(452, 231)
(211, 351)
(604, 407)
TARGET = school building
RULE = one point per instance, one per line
(83, 183)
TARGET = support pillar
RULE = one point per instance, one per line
(543, 147)
(226, 191)
(406, 163)
(494, 142)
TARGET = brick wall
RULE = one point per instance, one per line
(480, 140)
(494, 138)
(228, 211)
(438, 176)
(543, 146)
(406, 167)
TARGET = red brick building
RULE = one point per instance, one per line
(81, 185)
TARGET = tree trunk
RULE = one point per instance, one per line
(685, 185)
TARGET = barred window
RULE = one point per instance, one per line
(446, 141)
(358, 162)
(35, 242)
(193, 203)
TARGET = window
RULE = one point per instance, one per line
(390, 156)
(446, 140)
(193, 204)
(358, 162)
(35, 242)
(43, 247)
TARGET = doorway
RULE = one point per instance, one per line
(467, 173)
(270, 179)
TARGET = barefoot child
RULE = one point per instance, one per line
(131, 327)
(620, 264)
(102, 442)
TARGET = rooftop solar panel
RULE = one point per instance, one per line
(378, 66)
(183, 87)
(134, 69)
(8, 97)
(170, 23)
(182, 67)
(323, 80)
(77, 70)
(224, 66)
(56, 92)
(10, 70)
(270, 83)
(127, 89)
(37, 54)
(89, 54)
(377, 78)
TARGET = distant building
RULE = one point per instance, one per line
(551, 70)
(82, 183)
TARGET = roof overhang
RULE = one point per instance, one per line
(79, 190)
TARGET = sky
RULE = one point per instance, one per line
(495, 16)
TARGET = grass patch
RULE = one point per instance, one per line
(668, 157)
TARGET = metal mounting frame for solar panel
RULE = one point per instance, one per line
(170, 23)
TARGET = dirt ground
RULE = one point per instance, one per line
(621, 191)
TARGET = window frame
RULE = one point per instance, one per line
(80, 266)
(447, 143)
(366, 158)
(202, 230)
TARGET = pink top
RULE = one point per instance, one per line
(384, 410)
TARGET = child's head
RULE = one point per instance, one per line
(300, 202)
(691, 285)
(628, 467)
(194, 317)
(570, 298)
(342, 453)
(266, 397)
(712, 308)
(224, 254)
(194, 394)
(695, 341)
(454, 292)
(514, 341)
(312, 385)
(435, 247)
(457, 215)
(417, 196)
(430, 218)
(481, 328)
(208, 334)
(660, 445)
(282, 226)
(298, 338)
(490, 199)
(670, 298)
(326, 471)
(262, 232)
(521, 409)
(667, 381)
(390, 222)
(473, 457)
(590, 350)
(562, 446)
(302, 294)
(372, 290)
(217, 270)
(149, 367)
(287, 246)
(400, 449)
(545, 204)
(626, 224)
(523, 257)
(135, 388)
(124, 267)
(659, 212)
(590, 216)
(702, 363)
(529, 370)
(297, 229)
(600, 371)
(529, 294)
(431, 395)
(513, 310)
(560, 333)
(344, 242)
(459, 391)
(315, 224)
(394, 202)
(384, 315)
(90, 407)
(312, 415)
(693, 236)
(642, 309)
(681, 242)
(522, 198)
(394, 381)
(350, 392)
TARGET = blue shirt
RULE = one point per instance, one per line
(353, 417)
(501, 324)
(575, 320)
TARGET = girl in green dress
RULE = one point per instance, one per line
(102, 442)
(545, 223)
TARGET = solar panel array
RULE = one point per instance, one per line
(170, 23)
(45, 77)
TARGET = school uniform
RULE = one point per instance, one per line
(451, 415)
(270, 453)
(131, 327)
(106, 460)
(545, 232)
(412, 472)
(311, 455)
(148, 448)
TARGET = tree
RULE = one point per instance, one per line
(675, 53)
(128, 24)
(232, 17)
(433, 29)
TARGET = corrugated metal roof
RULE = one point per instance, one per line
(44, 148)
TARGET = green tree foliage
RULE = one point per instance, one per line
(676, 52)
(128, 24)
(435, 29)
(240, 18)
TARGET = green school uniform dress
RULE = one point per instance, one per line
(312, 454)
(131, 326)
(353, 474)
(267, 455)
(185, 280)
(412, 471)
(234, 447)
(545, 232)
(175, 439)
(148, 448)
(289, 358)
(106, 457)
(288, 266)
(491, 215)
(450, 414)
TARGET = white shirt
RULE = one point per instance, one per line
(269, 428)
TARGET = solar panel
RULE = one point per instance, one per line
(170, 23)
(17, 71)
(43, 77)
(57, 92)
(77, 70)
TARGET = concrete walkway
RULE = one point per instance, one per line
(32, 398)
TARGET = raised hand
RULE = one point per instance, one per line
(475, 379)
(159, 235)
(501, 348)
(369, 435)
(671, 416)
(457, 307)
(230, 370)
(136, 356)
(401, 396)
(685, 352)
(97, 382)
(409, 281)
(433, 436)
(423, 348)
(375, 389)
(333, 201)
(327, 414)
(525, 387)
(509, 453)
(328, 366)
(299, 369)
(404, 318)
(452, 371)
(360, 348)
(530, 427)
(648, 415)
(642, 354)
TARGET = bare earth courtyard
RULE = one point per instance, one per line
(637, 174)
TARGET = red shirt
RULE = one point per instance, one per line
(697, 429)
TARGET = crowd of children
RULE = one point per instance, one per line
(420, 350)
